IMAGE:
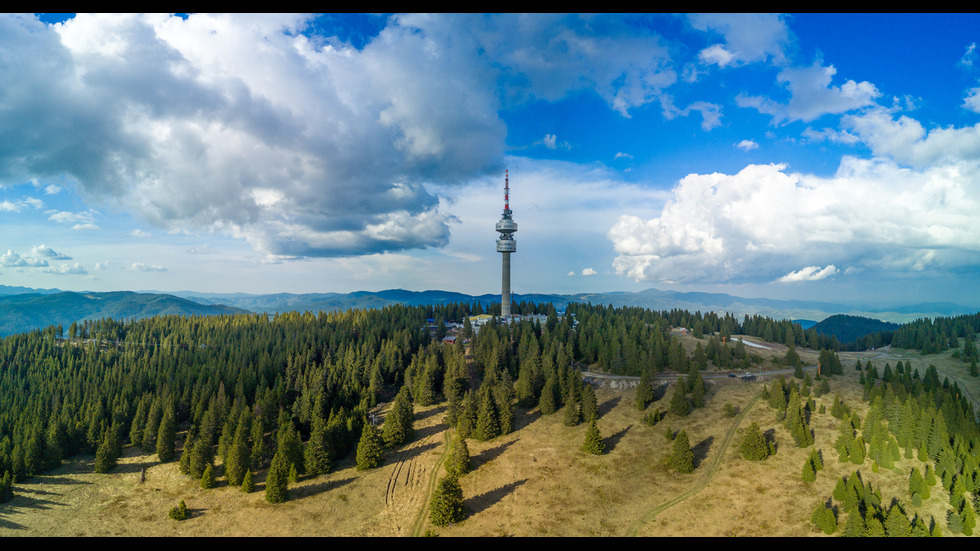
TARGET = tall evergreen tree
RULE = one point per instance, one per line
(446, 506)
(370, 449)
(681, 458)
(166, 440)
(593, 439)
(105, 456)
(458, 461)
(277, 480)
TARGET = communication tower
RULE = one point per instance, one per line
(506, 244)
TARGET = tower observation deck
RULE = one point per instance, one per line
(506, 244)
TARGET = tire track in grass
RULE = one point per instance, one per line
(423, 513)
(702, 481)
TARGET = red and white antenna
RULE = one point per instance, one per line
(506, 190)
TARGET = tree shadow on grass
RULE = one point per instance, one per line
(701, 450)
(426, 414)
(408, 453)
(429, 431)
(608, 405)
(613, 439)
(484, 501)
(29, 502)
(524, 417)
(490, 454)
(308, 490)
(660, 391)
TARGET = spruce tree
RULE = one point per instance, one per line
(681, 458)
(105, 458)
(644, 392)
(248, 485)
(458, 461)
(208, 480)
(167, 438)
(809, 474)
(370, 449)
(590, 405)
(179, 512)
(754, 446)
(593, 439)
(823, 517)
(277, 480)
(446, 506)
(488, 418)
(549, 402)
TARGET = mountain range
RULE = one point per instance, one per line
(23, 309)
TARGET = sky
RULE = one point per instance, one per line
(811, 156)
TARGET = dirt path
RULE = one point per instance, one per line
(423, 513)
(703, 481)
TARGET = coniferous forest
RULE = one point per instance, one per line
(293, 394)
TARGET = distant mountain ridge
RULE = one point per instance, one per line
(27, 311)
(22, 309)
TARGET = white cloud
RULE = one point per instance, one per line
(75, 268)
(747, 145)
(141, 267)
(10, 259)
(710, 112)
(43, 251)
(906, 141)
(810, 273)
(969, 56)
(571, 273)
(812, 95)
(188, 123)
(588, 272)
(764, 221)
(621, 155)
(972, 100)
(749, 37)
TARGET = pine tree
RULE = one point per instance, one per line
(573, 412)
(6, 487)
(370, 449)
(593, 439)
(590, 405)
(809, 474)
(488, 418)
(681, 458)
(398, 427)
(823, 517)
(549, 402)
(179, 512)
(458, 461)
(679, 404)
(897, 524)
(754, 447)
(248, 485)
(208, 480)
(277, 480)
(166, 440)
(644, 392)
(105, 458)
(446, 506)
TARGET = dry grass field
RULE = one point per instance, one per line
(533, 482)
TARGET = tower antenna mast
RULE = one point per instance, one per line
(506, 244)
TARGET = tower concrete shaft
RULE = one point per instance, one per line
(506, 244)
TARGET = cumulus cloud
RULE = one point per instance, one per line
(810, 273)
(747, 145)
(588, 272)
(748, 37)
(765, 221)
(74, 268)
(906, 141)
(812, 95)
(245, 125)
(43, 251)
(141, 267)
(10, 259)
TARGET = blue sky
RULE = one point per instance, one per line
(807, 156)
